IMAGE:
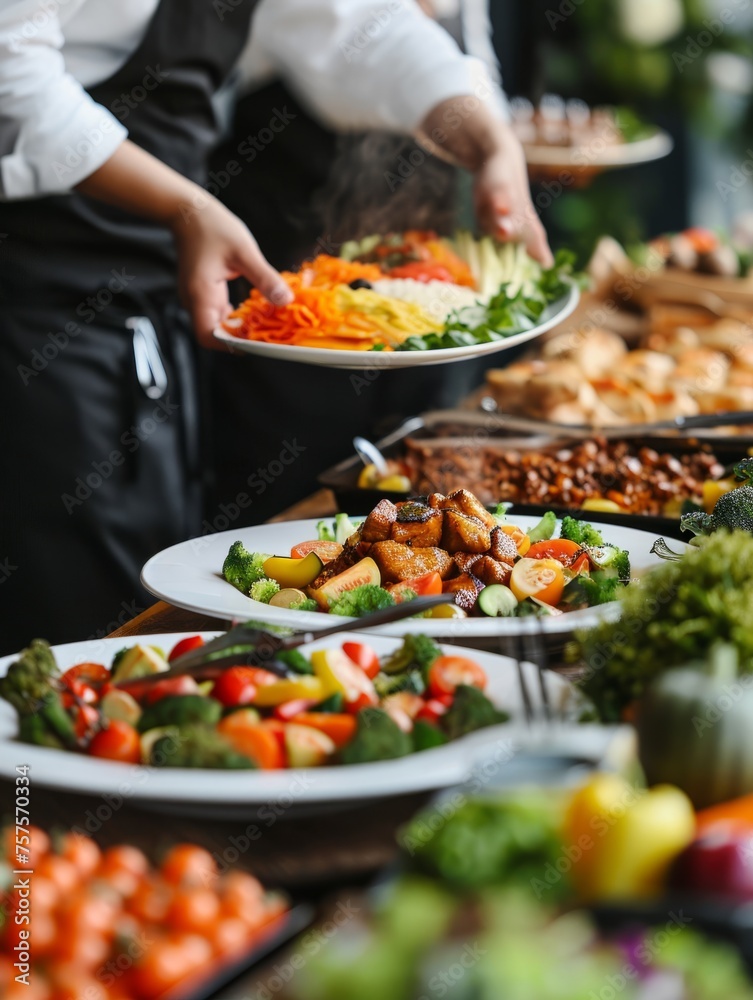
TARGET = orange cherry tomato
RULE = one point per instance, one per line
(185, 646)
(33, 843)
(150, 900)
(327, 551)
(123, 867)
(71, 982)
(88, 913)
(119, 741)
(229, 936)
(448, 672)
(239, 891)
(364, 656)
(193, 908)
(561, 549)
(521, 539)
(81, 851)
(543, 579)
(187, 864)
(166, 962)
(61, 872)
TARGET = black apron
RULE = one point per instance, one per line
(99, 428)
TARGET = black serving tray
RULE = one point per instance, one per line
(342, 478)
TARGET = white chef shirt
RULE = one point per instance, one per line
(356, 63)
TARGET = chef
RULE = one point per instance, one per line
(108, 223)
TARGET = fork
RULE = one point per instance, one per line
(254, 644)
(530, 646)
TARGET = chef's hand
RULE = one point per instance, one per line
(466, 132)
(214, 246)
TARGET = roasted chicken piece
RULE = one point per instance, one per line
(502, 546)
(377, 526)
(402, 562)
(465, 560)
(466, 503)
(490, 571)
(417, 525)
(464, 533)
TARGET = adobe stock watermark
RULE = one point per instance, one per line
(738, 177)
(380, 18)
(87, 310)
(713, 27)
(566, 9)
(102, 470)
(129, 100)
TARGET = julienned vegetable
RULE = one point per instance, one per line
(677, 613)
(450, 544)
(336, 706)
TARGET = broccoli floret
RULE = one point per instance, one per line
(469, 711)
(242, 568)
(344, 528)
(609, 557)
(744, 471)
(263, 590)
(408, 680)
(294, 659)
(361, 600)
(197, 746)
(734, 510)
(32, 687)
(180, 710)
(417, 651)
(426, 736)
(579, 531)
(600, 588)
(377, 737)
(309, 604)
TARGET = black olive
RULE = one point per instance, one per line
(360, 283)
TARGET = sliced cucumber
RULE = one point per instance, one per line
(497, 601)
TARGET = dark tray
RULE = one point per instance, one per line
(342, 478)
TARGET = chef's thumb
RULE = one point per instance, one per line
(253, 266)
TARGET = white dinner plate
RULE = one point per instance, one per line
(202, 792)
(599, 155)
(189, 575)
(552, 316)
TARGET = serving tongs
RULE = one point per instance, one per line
(254, 644)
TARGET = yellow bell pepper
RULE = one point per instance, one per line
(289, 689)
(624, 839)
(714, 489)
(293, 573)
(338, 674)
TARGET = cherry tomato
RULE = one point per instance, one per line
(63, 875)
(364, 699)
(193, 908)
(521, 539)
(123, 867)
(289, 709)
(88, 673)
(561, 549)
(420, 270)
(185, 646)
(119, 741)
(33, 844)
(447, 672)
(147, 692)
(81, 851)
(429, 583)
(84, 950)
(327, 551)
(90, 913)
(703, 240)
(240, 893)
(432, 711)
(364, 656)
(262, 742)
(229, 936)
(71, 982)
(543, 579)
(165, 963)
(187, 864)
(235, 686)
(46, 894)
(150, 901)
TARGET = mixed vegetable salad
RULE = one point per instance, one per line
(337, 706)
(411, 291)
(450, 544)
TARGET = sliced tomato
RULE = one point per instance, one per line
(263, 742)
(77, 690)
(429, 583)
(521, 539)
(561, 549)
(327, 551)
(363, 656)
(365, 699)
(581, 565)
(85, 718)
(543, 579)
(185, 646)
(448, 672)
(433, 710)
(118, 742)
(289, 709)
(340, 727)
